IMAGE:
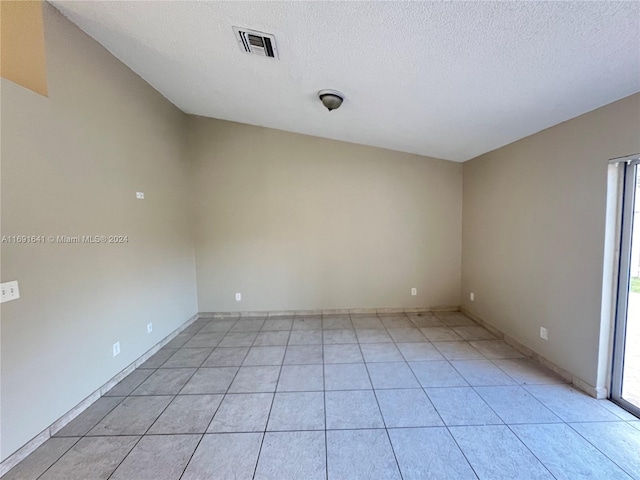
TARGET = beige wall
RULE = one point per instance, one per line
(298, 222)
(71, 165)
(534, 230)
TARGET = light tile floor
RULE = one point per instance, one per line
(341, 397)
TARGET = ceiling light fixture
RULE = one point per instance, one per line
(331, 99)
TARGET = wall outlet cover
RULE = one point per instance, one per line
(10, 291)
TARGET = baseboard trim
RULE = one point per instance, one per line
(567, 376)
(330, 311)
(19, 455)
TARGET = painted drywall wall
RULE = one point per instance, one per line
(534, 233)
(22, 52)
(298, 222)
(71, 165)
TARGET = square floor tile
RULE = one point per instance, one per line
(373, 335)
(437, 374)
(88, 419)
(495, 452)
(187, 414)
(303, 355)
(429, 454)
(306, 337)
(204, 340)
(165, 382)
(300, 378)
(188, 358)
(346, 377)
(439, 334)
(407, 408)
(419, 352)
(308, 323)
(245, 412)
(570, 404)
(179, 340)
(291, 455)
(238, 339)
(481, 373)
(396, 322)
(41, 459)
(617, 440)
(352, 409)
(458, 351)
(91, 458)
(566, 454)
(159, 358)
(392, 375)
(255, 379)
(276, 324)
(133, 416)
(265, 356)
(381, 352)
(617, 411)
(272, 338)
(342, 354)
(461, 406)
(473, 332)
(337, 322)
(129, 383)
(368, 322)
(210, 380)
(360, 455)
(425, 320)
(494, 349)
(226, 357)
(158, 457)
(248, 325)
(406, 335)
(225, 456)
(526, 372)
(516, 405)
(218, 325)
(339, 336)
(455, 319)
(297, 411)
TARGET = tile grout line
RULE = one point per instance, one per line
(391, 340)
(97, 423)
(273, 399)
(384, 423)
(217, 408)
(598, 449)
(163, 410)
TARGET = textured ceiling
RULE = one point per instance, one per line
(445, 79)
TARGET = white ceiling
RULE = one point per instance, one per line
(445, 79)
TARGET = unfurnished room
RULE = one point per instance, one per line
(347, 240)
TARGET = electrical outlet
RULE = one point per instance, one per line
(10, 291)
(472, 296)
(544, 333)
(140, 195)
(149, 327)
(414, 291)
(116, 349)
(238, 297)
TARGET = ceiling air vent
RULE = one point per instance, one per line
(256, 43)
